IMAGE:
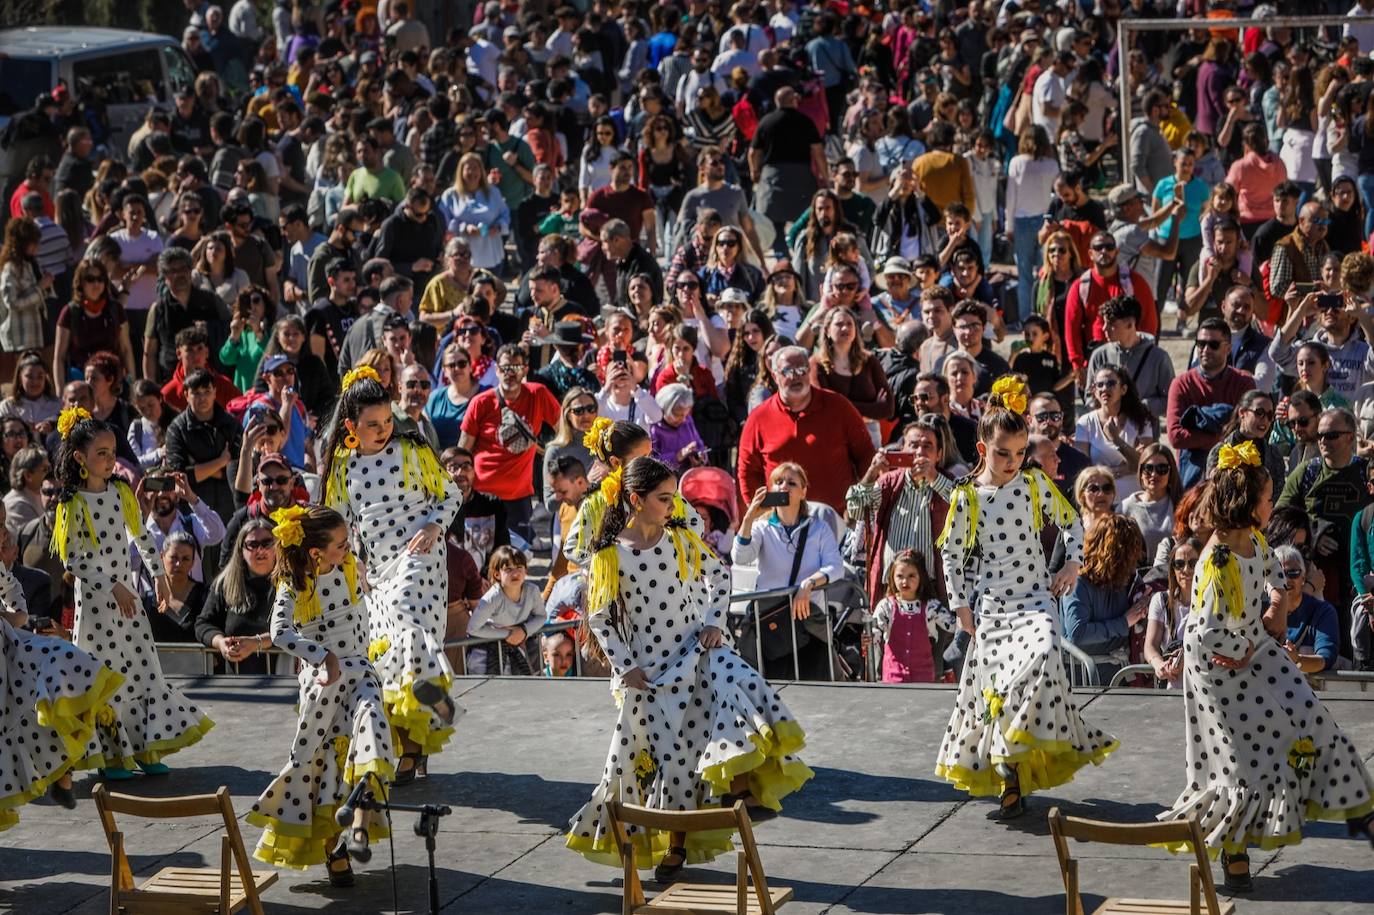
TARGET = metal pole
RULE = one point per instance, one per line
(1123, 88)
(792, 628)
(758, 636)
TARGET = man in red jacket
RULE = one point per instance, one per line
(1201, 399)
(1106, 279)
(816, 428)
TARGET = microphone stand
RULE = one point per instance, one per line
(427, 827)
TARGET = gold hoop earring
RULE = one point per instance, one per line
(83, 472)
(351, 441)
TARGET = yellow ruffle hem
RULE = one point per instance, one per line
(412, 720)
(298, 847)
(1042, 764)
(1251, 839)
(771, 775)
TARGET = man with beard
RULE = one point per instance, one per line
(34, 541)
(178, 508)
(1046, 417)
(180, 304)
(410, 415)
(275, 486)
(481, 525)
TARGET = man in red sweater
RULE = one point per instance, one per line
(816, 428)
(1202, 398)
(1106, 279)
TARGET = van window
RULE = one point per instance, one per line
(127, 79)
(179, 70)
(21, 82)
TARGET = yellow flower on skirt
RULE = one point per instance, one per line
(994, 702)
(1302, 755)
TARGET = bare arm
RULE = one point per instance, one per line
(59, 354)
(466, 441)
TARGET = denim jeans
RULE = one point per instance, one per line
(985, 233)
(1028, 259)
(1366, 185)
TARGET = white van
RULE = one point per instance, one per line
(130, 70)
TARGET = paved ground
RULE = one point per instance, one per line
(874, 833)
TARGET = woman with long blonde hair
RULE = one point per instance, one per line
(477, 212)
(1059, 268)
(843, 364)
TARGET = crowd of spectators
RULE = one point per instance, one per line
(794, 241)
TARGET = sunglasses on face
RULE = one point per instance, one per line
(1292, 574)
(1058, 250)
(418, 384)
(687, 287)
(1100, 488)
(1158, 470)
(1182, 565)
(1106, 384)
(1329, 435)
(50, 493)
(469, 331)
(284, 371)
(1103, 246)
(1053, 416)
(456, 365)
(16, 433)
(726, 243)
(275, 481)
(93, 279)
(846, 287)
(1261, 413)
(461, 255)
(796, 371)
(1212, 345)
(511, 368)
(1297, 422)
(258, 546)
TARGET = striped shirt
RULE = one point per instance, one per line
(55, 253)
(908, 527)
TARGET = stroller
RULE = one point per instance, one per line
(711, 491)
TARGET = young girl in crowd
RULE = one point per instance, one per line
(906, 619)
(1222, 206)
(1250, 785)
(342, 735)
(396, 499)
(1168, 614)
(97, 518)
(51, 697)
(512, 610)
(1015, 728)
(697, 726)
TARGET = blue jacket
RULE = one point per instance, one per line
(1094, 618)
(1323, 627)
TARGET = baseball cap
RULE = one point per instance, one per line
(272, 363)
(512, 31)
(1122, 194)
(368, 57)
(733, 296)
(273, 457)
(897, 265)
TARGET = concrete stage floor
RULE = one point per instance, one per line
(873, 833)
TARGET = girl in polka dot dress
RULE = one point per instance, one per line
(614, 444)
(51, 695)
(1264, 754)
(97, 516)
(1015, 728)
(342, 734)
(398, 502)
(696, 722)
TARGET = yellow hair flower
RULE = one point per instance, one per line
(358, 374)
(611, 486)
(1235, 455)
(69, 417)
(288, 530)
(1013, 392)
(592, 439)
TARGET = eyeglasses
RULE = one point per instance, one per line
(1100, 487)
(1104, 246)
(583, 410)
(1292, 574)
(1212, 345)
(1329, 435)
(796, 371)
(420, 384)
(275, 481)
(1106, 384)
(16, 433)
(511, 368)
(1052, 416)
(1158, 470)
(1183, 565)
(969, 326)
(1321, 222)
(258, 546)
(468, 331)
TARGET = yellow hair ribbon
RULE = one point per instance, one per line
(69, 417)
(357, 375)
(63, 531)
(419, 461)
(592, 438)
(1013, 392)
(288, 529)
(1222, 571)
(611, 485)
(1236, 455)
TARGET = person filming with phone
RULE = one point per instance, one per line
(792, 548)
(171, 506)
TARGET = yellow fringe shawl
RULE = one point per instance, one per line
(593, 509)
(419, 466)
(308, 604)
(1058, 510)
(1224, 575)
(604, 580)
(75, 513)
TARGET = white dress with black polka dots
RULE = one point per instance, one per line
(341, 732)
(1014, 705)
(152, 717)
(707, 717)
(408, 602)
(52, 694)
(1263, 752)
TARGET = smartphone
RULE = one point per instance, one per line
(776, 499)
(620, 356)
(1305, 288)
(1330, 301)
(158, 484)
(40, 623)
(901, 458)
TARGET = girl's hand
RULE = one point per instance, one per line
(424, 540)
(711, 637)
(965, 615)
(330, 671)
(126, 601)
(635, 679)
(1221, 660)
(1064, 579)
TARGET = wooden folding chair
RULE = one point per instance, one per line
(1201, 891)
(695, 898)
(177, 890)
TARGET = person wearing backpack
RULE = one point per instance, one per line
(1106, 279)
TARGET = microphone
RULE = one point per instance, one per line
(344, 815)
